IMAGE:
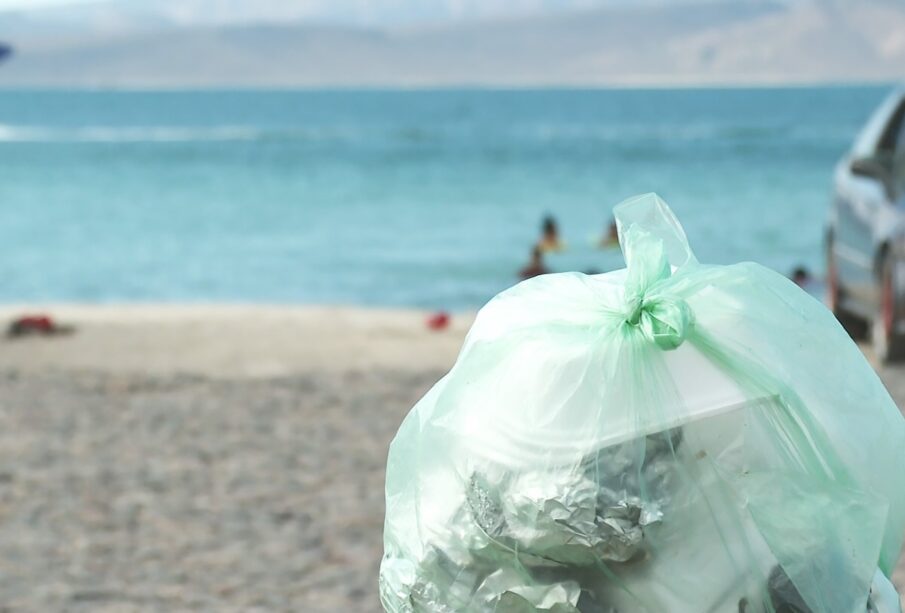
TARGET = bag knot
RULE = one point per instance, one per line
(664, 320)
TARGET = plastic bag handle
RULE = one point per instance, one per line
(654, 246)
(650, 213)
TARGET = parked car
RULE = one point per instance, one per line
(865, 241)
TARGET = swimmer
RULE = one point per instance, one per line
(536, 266)
(549, 240)
(610, 238)
(801, 276)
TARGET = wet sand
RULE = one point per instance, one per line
(208, 458)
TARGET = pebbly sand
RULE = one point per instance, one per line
(228, 458)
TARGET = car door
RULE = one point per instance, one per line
(859, 200)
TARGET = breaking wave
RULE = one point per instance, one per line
(126, 134)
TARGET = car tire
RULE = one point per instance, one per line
(888, 342)
(856, 327)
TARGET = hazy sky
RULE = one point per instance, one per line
(341, 10)
(19, 4)
(318, 5)
(105, 14)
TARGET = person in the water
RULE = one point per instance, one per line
(802, 277)
(549, 240)
(536, 266)
(610, 239)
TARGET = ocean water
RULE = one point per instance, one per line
(394, 198)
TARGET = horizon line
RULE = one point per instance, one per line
(464, 86)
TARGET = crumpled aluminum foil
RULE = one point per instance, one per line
(578, 516)
(508, 591)
(445, 586)
(558, 519)
(513, 545)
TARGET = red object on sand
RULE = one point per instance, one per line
(38, 323)
(43, 325)
(438, 321)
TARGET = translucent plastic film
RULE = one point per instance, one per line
(672, 437)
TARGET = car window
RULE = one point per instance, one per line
(898, 167)
(892, 141)
(895, 141)
(870, 139)
(899, 140)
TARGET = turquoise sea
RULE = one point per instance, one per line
(415, 198)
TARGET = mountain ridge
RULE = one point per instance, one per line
(706, 43)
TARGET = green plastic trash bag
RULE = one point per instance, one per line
(669, 438)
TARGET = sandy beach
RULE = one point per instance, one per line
(228, 458)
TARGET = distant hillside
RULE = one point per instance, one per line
(744, 42)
